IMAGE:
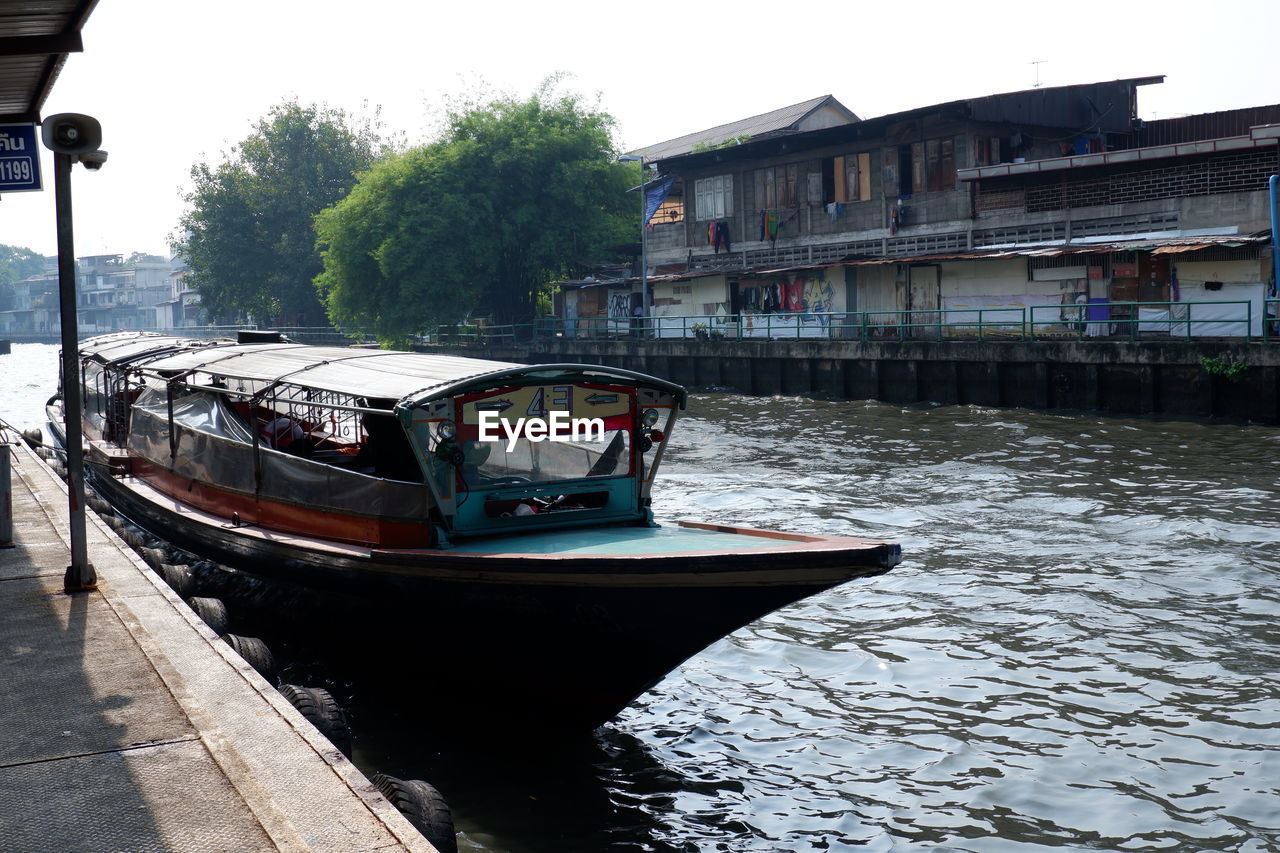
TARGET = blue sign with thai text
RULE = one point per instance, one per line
(19, 158)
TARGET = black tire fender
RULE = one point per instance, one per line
(212, 612)
(424, 807)
(154, 557)
(178, 578)
(321, 710)
(255, 653)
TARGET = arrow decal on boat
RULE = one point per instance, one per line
(493, 406)
(599, 399)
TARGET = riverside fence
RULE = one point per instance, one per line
(1127, 321)
(315, 335)
(1247, 320)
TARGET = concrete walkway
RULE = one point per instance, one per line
(127, 725)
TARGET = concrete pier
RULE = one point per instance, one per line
(127, 724)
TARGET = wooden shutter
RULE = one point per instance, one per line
(933, 170)
(919, 183)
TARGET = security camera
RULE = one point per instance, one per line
(71, 133)
(93, 160)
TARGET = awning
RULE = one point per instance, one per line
(35, 38)
(1157, 246)
(1087, 246)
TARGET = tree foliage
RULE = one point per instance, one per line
(16, 263)
(249, 239)
(510, 195)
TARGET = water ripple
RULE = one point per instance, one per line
(1080, 651)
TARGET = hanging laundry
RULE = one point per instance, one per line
(794, 297)
(722, 236)
(771, 226)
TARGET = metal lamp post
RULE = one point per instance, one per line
(644, 243)
(72, 138)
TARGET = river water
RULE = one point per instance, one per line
(1080, 650)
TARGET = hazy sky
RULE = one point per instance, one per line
(176, 82)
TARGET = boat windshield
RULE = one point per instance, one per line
(544, 434)
(603, 453)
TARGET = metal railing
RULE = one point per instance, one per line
(1270, 321)
(1187, 320)
(1110, 321)
(315, 335)
(327, 335)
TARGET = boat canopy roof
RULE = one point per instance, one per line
(409, 378)
(127, 346)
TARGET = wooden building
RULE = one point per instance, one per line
(1043, 200)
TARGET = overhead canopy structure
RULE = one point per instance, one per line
(35, 38)
(402, 376)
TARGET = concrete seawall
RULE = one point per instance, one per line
(1148, 377)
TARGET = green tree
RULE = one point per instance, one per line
(510, 195)
(16, 263)
(249, 237)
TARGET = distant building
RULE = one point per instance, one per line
(113, 293)
(35, 305)
(183, 307)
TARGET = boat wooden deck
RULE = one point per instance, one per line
(128, 725)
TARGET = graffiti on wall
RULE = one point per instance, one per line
(819, 297)
(619, 306)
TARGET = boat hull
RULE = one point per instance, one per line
(561, 628)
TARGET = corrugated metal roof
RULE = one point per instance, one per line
(1155, 245)
(1128, 155)
(1027, 106)
(35, 38)
(1161, 245)
(785, 118)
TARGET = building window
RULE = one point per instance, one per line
(847, 178)
(671, 210)
(713, 197)
(931, 165)
(776, 187)
(986, 151)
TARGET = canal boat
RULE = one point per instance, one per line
(501, 513)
